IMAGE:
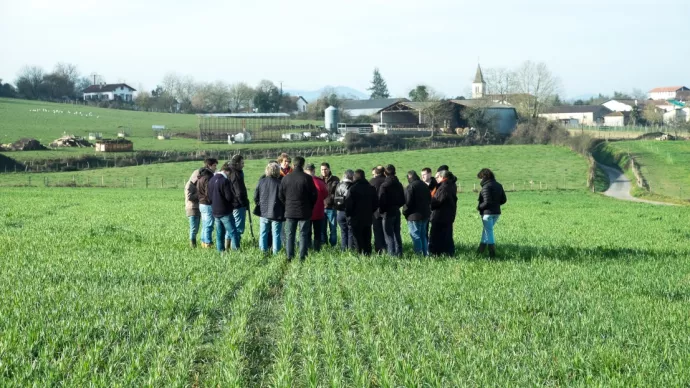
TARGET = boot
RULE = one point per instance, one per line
(204, 245)
(481, 248)
(192, 243)
(228, 244)
(492, 251)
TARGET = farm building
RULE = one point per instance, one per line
(218, 126)
(356, 108)
(114, 145)
(109, 92)
(617, 119)
(300, 103)
(669, 93)
(587, 115)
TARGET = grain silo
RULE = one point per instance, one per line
(331, 118)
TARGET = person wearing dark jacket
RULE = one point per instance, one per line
(417, 210)
(491, 197)
(443, 209)
(205, 175)
(391, 199)
(222, 197)
(346, 239)
(428, 179)
(271, 209)
(379, 238)
(360, 203)
(318, 214)
(331, 222)
(298, 193)
(241, 201)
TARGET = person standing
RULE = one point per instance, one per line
(360, 203)
(191, 206)
(298, 193)
(222, 197)
(318, 213)
(271, 209)
(284, 160)
(391, 199)
(330, 222)
(205, 174)
(241, 198)
(443, 209)
(379, 239)
(417, 210)
(491, 197)
(428, 178)
(341, 191)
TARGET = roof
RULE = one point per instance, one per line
(421, 105)
(244, 115)
(668, 89)
(370, 104)
(479, 77)
(575, 109)
(106, 88)
(297, 98)
(480, 103)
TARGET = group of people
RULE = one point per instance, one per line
(293, 196)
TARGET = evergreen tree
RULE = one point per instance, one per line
(378, 88)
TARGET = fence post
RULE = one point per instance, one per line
(147, 182)
(132, 180)
(29, 180)
(161, 183)
(102, 181)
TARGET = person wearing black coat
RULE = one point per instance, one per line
(360, 203)
(298, 193)
(379, 238)
(222, 197)
(241, 201)
(331, 223)
(205, 175)
(391, 199)
(271, 209)
(346, 239)
(443, 209)
(417, 210)
(491, 197)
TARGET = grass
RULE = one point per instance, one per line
(665, 165)
(547, 167)
(596, 297)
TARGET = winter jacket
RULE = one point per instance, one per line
(444, 202)
(191, 196)
(360, 203)
(432, 185)
(266, 197)
(417, 201)
(340, 194)
(298, 194)
(318, 213)
(491, 197)
(376, 182)
(239, 189)
(331, 183)
(221, 195)
(205, 175)
(391, 196)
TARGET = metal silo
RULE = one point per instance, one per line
(331, 118)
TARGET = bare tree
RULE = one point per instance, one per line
(500, 83)
(535, 81)
(241, 96)
(436, 111)
(218, 97)
(29, 81)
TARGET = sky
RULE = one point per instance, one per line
(592, 46)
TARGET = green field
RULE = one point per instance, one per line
(516, 166)
(99, 288)
(664, 164)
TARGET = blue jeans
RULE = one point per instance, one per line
(276, 228)
(304, 237)
(418, 229)
(193, 227)
(391, 232)
(226, 230)
(240, 215)
(206, 223)
(330, 222)
(346, 240)
(488, 221)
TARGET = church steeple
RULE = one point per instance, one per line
(479, 85)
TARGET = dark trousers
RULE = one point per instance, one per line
(346, 240)
(441, 239)
(379, 238)
(290, 234)
(315, 236)
(391, 232)
(361, 236)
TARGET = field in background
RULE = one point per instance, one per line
(102, 289)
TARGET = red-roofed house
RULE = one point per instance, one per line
(668, 93)
(109, 92)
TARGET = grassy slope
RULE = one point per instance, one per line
(576, 300)
(517, 165)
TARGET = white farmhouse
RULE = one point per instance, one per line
(300, 103)
(109, 92)
(668, 93)
(587, 115)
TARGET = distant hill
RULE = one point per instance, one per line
(344, 91)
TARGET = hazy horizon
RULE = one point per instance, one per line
(591, 46)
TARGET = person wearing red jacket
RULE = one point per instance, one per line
(318, 214)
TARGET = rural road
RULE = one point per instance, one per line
(620, 186)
